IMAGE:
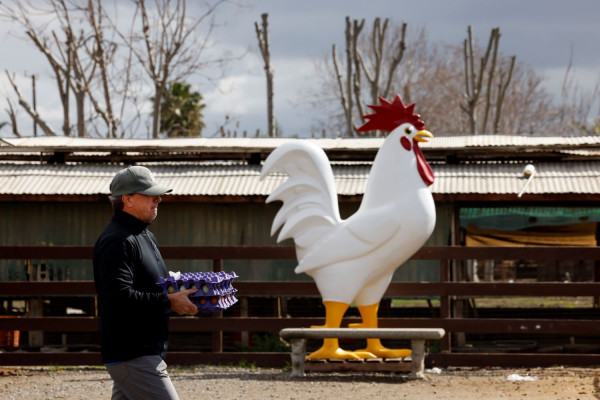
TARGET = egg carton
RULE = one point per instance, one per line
(215, 290)
(214, 304)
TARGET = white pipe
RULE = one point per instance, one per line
(529, 172)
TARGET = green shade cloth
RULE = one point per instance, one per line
(514, 218)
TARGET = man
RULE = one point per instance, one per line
(134, 322)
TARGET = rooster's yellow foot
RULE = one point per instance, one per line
(384, 352)
(332, 354)
(338, 354)
(363, 354)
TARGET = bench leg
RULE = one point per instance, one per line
(298, 356)
(418, 359)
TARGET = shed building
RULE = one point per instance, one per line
(53, 191)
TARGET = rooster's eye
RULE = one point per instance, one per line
(408, 130)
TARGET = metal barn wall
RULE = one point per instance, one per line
(219, 224)
(202, 224)
(46, 223)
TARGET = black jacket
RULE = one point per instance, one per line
(132, 308)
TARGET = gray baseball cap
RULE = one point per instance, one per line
(136, 179)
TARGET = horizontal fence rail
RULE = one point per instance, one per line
(540, 253)
(291, 289)
(445, 290)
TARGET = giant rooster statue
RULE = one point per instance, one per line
(354, 259)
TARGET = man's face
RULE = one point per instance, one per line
(144, 208)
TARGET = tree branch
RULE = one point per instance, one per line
(502, 87)
(494, 40)
(13, 118)
(263, 43)
(343, 95)
(349, 61)
(36, 117)
(396, 62)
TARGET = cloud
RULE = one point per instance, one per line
(243, 97)
(541, 33)
(583, 77)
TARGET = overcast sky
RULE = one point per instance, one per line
(541, 33)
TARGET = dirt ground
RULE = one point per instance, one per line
(224, 383)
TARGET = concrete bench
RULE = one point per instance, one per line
(299, 336)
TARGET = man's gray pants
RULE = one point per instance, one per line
(143, 378)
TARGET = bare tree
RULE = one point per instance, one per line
(474, 80)
(577, 104)
(262, 34)
(379, 86)
(102, 53)
(76, 59)
(59, 59)
(503, 84)
(97, 67)
(170, 48)
(433, 75)
(28, 108)
(376, 58)
(353, 29)
(12, 114)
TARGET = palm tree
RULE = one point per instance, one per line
(181, 111)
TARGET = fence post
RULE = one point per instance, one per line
(445, 308)
(596, 279)
(35, 305)
(217, 337)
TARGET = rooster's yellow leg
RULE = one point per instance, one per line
(334, 312)
(374, 346)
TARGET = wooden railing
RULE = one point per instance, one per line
(446, 290)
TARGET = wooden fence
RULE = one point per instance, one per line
(446, 290)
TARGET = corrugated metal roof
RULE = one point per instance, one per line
(181, 144)
(265, 144)
(240, 179)
(472, 141)
(507, 178)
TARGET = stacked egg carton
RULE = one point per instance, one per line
(215, 291)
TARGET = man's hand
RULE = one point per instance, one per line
(181, 304)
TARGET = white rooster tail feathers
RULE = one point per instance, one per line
(310, 208)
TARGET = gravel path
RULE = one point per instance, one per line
(223, 383)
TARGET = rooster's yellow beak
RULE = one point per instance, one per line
(421, 135)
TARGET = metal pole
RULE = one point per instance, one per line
(33, 89)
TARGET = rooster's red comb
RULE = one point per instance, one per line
(388, 116)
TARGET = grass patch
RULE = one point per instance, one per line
(506, 302)
(270, 342)
(247, 365)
